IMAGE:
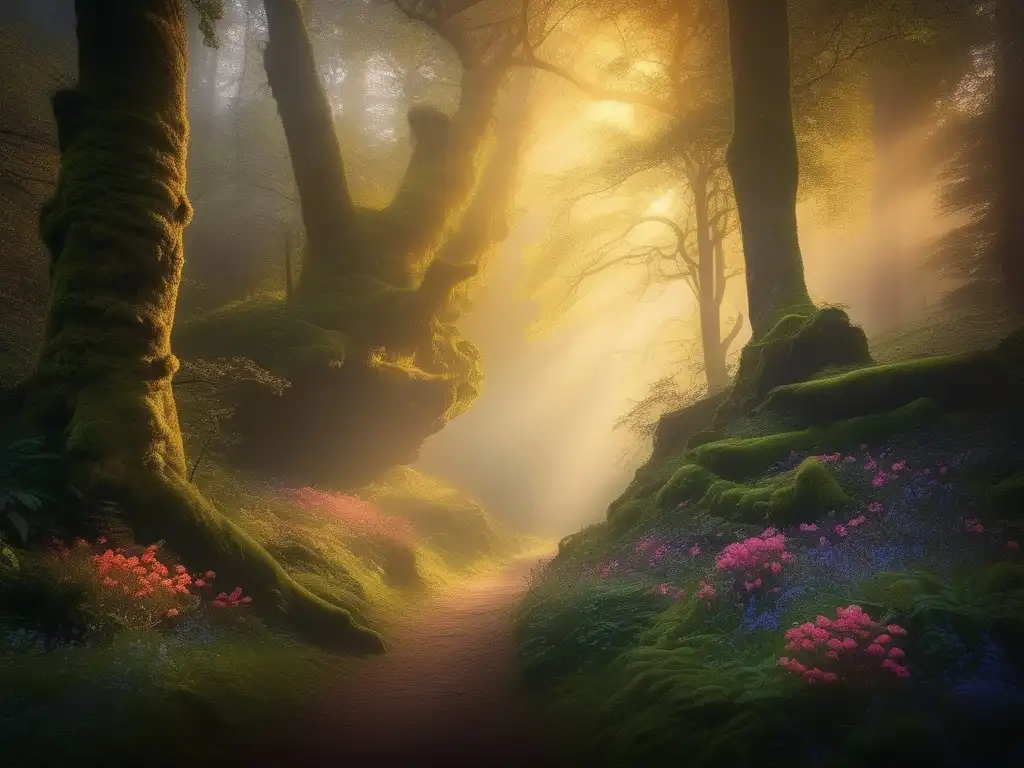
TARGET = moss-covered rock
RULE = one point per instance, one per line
(740, 458)
(804, 494)
(796, 349)
(675, 429)
(367, 383)
(976, 381)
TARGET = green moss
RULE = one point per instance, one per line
(676, 429)
(812, 491)
(797, 348)
(798, 496)
(1003, 577)
(689, 482)
(740, 458)
(972, 381)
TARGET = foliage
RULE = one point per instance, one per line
(927, 600)
(27, 473)
(203, 390)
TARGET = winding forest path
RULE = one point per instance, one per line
(445, 689)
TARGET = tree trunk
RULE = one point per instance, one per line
(710, 317)
(327, 209)
(342, 240)
(762, 160)
(114, 230)
(887, 289)
(1009, 121)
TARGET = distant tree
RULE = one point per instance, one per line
(342, 238)
(978, 146)
(102, 386)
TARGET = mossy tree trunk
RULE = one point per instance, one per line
(1009, 121)
(342, 238)
(762, 160)
(114, 230)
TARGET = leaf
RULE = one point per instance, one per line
(19, 523)
(28, 500)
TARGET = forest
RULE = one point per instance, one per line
(566, 382)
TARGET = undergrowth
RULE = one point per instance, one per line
(712, 622)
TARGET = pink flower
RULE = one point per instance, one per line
(849, 643)
(896, 653)
(808, 527)
(210, 575)
(879, 480)
(895, 629)
(694, 550)
(883, 639)
(875, 650)
(101, 540)
(172, 612)
(822, 541)
(840, 531)
(875, 507)
(899, 466)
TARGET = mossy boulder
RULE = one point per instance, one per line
(355, 406)
(796, 349)
(807, 493)
(675, 429)
(976, 381)
(743, 457)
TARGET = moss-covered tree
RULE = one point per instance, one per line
(393, 243)
(102, 386)
(763, 162)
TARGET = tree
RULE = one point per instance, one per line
(1009, 121)
(344, 239)
(762, 160)
(102, 386)
(978, 150)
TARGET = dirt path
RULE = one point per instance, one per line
(444, 690)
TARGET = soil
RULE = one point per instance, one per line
(445, 690)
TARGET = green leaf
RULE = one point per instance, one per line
(19, 523)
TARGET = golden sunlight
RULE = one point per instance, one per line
(662, 205)
(612, 112)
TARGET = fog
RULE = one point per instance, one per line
(539, 448)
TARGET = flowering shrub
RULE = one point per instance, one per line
(355, 514)
(130, 589)
(755, 562)
(852, 648)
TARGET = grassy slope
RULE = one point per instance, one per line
(615, 638)
(192, 694)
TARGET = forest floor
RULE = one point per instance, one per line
(445, 689)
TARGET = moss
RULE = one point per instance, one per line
(798, 347)
(974, 381)
(689, 482)
(740, 458)
(356, 405)
(812, 491)
(704, 437)
(675, 429)
(798, 496)
(1003, 577)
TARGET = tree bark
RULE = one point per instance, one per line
(114, 230)
(708, 309)
(762, 160)
(1009, 121)
(326, 205)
